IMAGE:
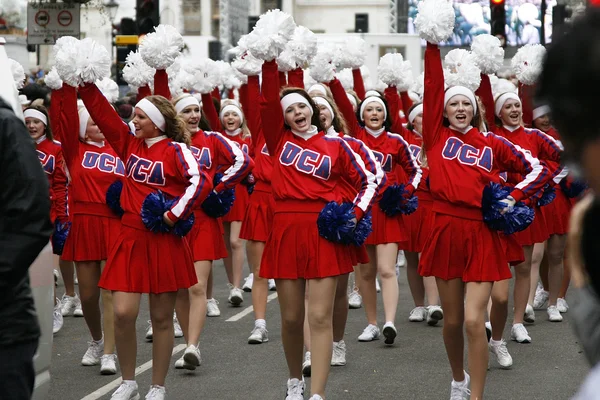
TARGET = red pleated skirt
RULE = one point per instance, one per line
(359, 255)
(465, 249)
(386, 229)
(556, 214)
(206, 238)
(146, 262)
(512, 249)
(537, 232)
(258, 218)
(91, 237)
(294, 250)
(238, 210)
(418, 227)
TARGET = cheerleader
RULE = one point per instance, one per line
(391, 150)
(212, 151)
(94, 167)
(143, 261)
(306, 169)
(461, 160)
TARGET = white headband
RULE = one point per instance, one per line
(294, 98)
(372, 99)
(372, 93)
(318, 88)
(456, 90)
(31, 113)
(352, 99)
(186, 102)
(415, 113)
(234, 108)
(540, 111)
(322, 101)
(84, 117)
(153, 113)
(503, 98)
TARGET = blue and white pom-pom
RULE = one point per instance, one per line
(113, 197)
(514, 220)
(218, 204)
(160, 48)
(548, 196)
(363, 230)
(184, 226)
(337, 222)
(573, 188)
(249, 181)
(435, 20)
(59, 237)
(394, 201)
(153, 209)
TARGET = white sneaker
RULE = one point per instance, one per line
(191, 357)
(258, 335)
(488, 330)
(94, 353)
(529, 314)
(149, 331)
(177, 331)
(389, 332)
(460, 391)
(418, 314)
(401, 259)
(306, 364)
(58, 321)
(108, 364)
(128, 390)
(295, 389)
(499, 350)
(338, 357)
(370, 333)
(212, 308)
(248, 283)
(272, 286)
(156, 393)
(236, 296)
(56, 278)
(519, 334)
(354, 300)
(78, 312)
(562, 305)
(540, 298)
(69, 304)
(554, 314)
(315, 397)
(76, 281)
(179, 363)
(377, 285)
(434, 315)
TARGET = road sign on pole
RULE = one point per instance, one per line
(46, 22)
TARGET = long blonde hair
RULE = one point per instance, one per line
(174, 126)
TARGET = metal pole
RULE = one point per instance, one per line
(543, 29)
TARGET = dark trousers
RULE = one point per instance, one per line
(17, 374)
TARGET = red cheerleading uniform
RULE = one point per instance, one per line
(212, 150)
(305, 176)
(93, 168)
(142, 261)
(461, 245)
(258, 219)
(50, 155)
(390, 150)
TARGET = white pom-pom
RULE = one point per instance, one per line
(488, 53)
(419, 84)
(286, 61)
(65, 62)
(159, 49)
(302, 46)
(528, 63)
(462, 70)
(226, 76)
(64, 42)
(458, 57)
(394, 71)
(308, 79)
(352, 53)
(52, 80)
(346, 79)
(243, 78)
(109, 89)
(270, 35)
(206, 76)
(136, 72)
(435, 20)
(247, 64)
(18, 73)
(500, 86)
(87, 62)
(321, 68)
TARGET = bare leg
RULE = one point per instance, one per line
(182, 309)
(340, 308)
(452, 296)
(535, 277)
(209, 285)
(305, 326)
(431, 290)
(67, 270)
(415, 281)
(237, 252)
(260, 286)
(161, 314)
(108, 319)
(368, 272)
(88, 273)
(386, 266)
(556, 253)
(197, 301)
(291, 305)
(228, 261)
(357, 278)
(126, 306)
(499, 308)
(544, 273)
(522, 280)
(566, 277)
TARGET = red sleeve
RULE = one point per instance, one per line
(68, 124)
(359, 84)
(526, 94)
(228, 154)
(341, 100)
(282, 79)
(143, 92)
(407, 103)
(487, 98)
(210, 112)
(393, 99)
(161, 84)
(548, 148)
(270, 107)
(243, 91)
(59, 187)
(54, 113)
(217, 95)
(253, 114)
(231, 94)
(409, 164)
(296, 78)
(104, 115)
(433, 96)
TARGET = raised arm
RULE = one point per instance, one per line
(526, 94)
(67, 123)
(487, 98)
(407, 103)
(282, 79)
(104, 115)
(359, 84)
(433, 95)
(59, 188)
(161, 84)
(393, 99)
(253, 111)
(343, 103)
(296, 78)
(243, 91)
(143, 92)
(210, 112)
(228, 153)
(54, 113)
(270, 107)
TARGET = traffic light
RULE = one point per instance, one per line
(498, 20)
(147, 15)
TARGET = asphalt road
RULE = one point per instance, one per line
(416, 367)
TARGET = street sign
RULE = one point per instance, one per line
(46, 22)
(124, 40)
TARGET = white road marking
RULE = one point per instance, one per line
(248, 310)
